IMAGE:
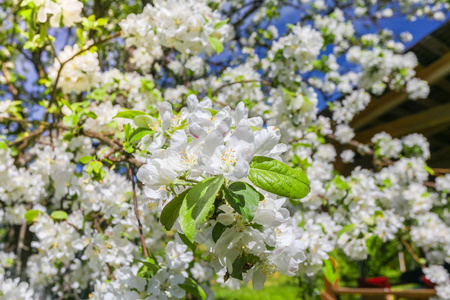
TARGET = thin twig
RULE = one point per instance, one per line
(23, 231)
(237, 82)
(136, 211)
(411, 251)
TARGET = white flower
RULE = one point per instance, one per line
(344, 133)
(231, 159)
(164, 285)
(436, 274)
(177, 256)
(78, 74)
(347, 156)
(417, 89)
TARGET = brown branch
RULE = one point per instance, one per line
(429, 184)
(7, 76)
(237, 82)
(20, 245)
(411, 251)
(441, 170)
(29, 137)
(115, 144)
(136, 211)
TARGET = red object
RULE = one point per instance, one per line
(428, 284)
(375, 282)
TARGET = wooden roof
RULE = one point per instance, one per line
(392, 112)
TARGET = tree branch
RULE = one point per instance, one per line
(136, 211)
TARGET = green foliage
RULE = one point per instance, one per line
(94, 169)
(243, 198)
(220, 24)
(346, 228)
(59, 215)
(85, 159)
(171, 211)
(149, 268)
(216, 44)
(129, 114)
(278, 178)
(241, 264)
(193, 288)
(197, 204)
(31, 215)
(329, 271)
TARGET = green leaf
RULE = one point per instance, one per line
(59, 215)
(31, 215)
(139, 134)
(374, 243)
(278, 178)
(243, 198)
(187, 242)
(220, 24)
(71, 121)
(379, 213)
(85, 159)
(429, 170)
(102, 21)
(340, 184)
(145, 121)
(242, 261)
(91, 114)
(212, 111)
(346, 228)
(193, 288)
(94, 166)
(129, 114)
(217, 231)
(128, 147)
(216, 44)
(66, 103)
(171, 211)
(329, 272)
(238, 266)
(148, 269)
(197, 204)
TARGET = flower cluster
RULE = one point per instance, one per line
(79, 72)
(67, 12)
(183, 25)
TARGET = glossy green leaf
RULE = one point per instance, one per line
(346, 228)
(171, 210)
(139, 133)
(145, 121)
(278, 178)
(193, 288)
(31, 215)
(243, 198)
(71, 121)
(216, 44)
(217, 231)
(220, 24)
(329, 272)
(85, 159)
(59, 215)
(129, 114)
(197, 204)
